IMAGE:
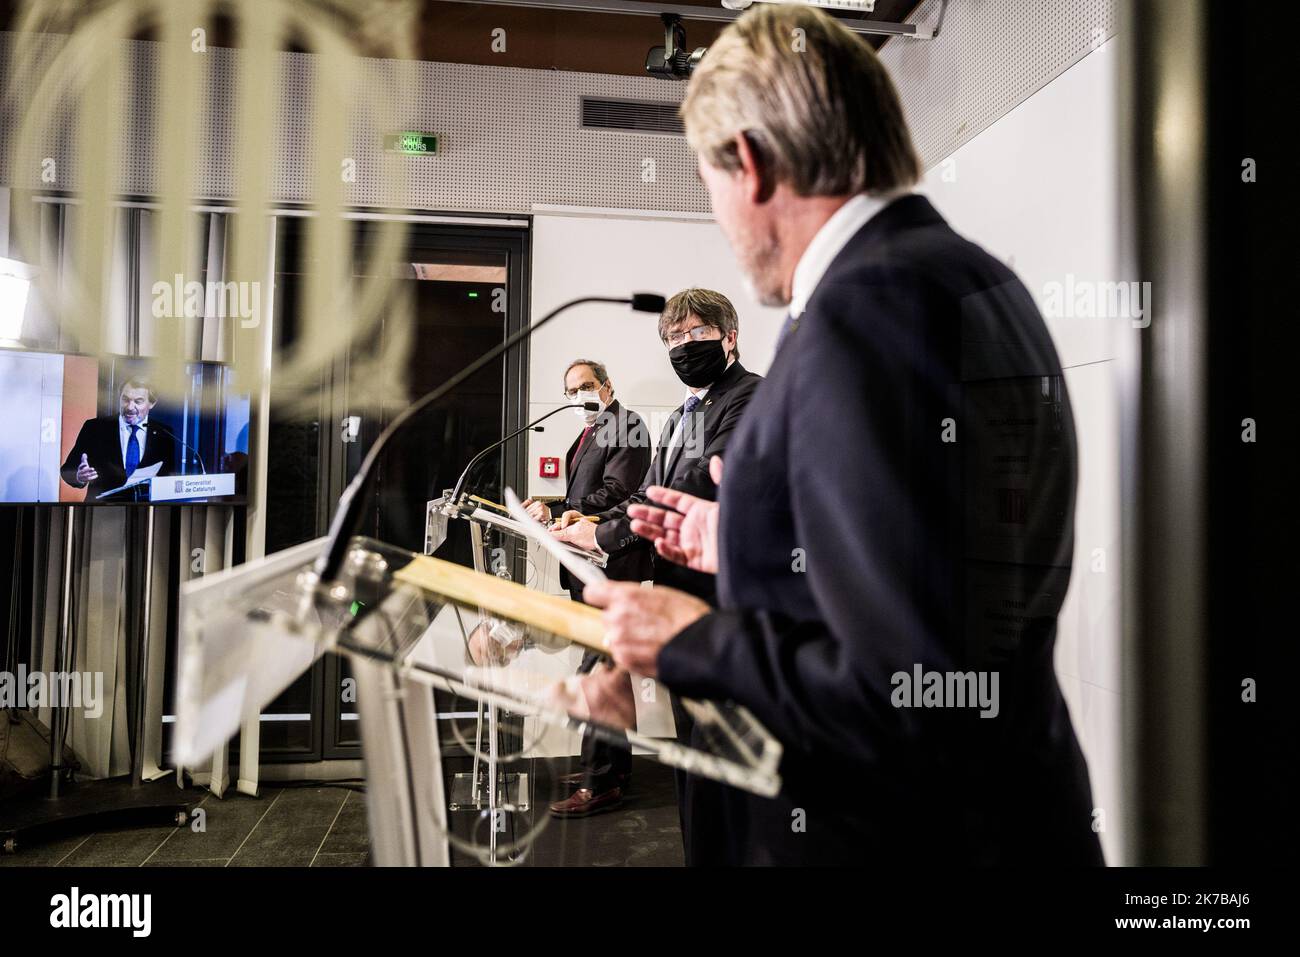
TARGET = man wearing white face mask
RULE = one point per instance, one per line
(604, 465)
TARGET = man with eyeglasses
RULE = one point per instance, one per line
(699, 327)
(603, 466)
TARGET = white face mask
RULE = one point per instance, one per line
(580, 398)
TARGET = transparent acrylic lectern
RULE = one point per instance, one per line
(434, 647)
(498, 546)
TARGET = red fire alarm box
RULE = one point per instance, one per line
(550, 467)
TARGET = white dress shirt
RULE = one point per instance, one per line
(124, 434)
(829, 242)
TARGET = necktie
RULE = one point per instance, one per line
(581, 441)
(787, 327)
(132, 451)
(682, 432)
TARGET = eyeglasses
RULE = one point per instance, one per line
(695, 334)
(588, 386)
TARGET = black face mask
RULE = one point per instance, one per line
(698, 364)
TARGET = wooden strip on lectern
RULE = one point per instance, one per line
(571, 620)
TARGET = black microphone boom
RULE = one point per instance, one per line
(350, 504)
(167, 430)
(464, 476)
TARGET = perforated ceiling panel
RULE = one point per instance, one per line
(507, 138)
(990, 55)
(58, 116)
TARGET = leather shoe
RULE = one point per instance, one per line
(582, 803)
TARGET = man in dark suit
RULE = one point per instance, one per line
(701, 330)
(603, 465)
(894, 528)
(110, 447)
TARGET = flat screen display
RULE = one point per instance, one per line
(95, 430)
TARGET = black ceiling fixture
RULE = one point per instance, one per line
(672, 61)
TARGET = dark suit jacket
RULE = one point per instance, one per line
(609, 466)
(101, 442)
(685, 468)
(901, 495)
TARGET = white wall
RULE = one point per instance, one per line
(616, 254)
(1039, 189)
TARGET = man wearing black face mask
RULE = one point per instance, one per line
(700, 328)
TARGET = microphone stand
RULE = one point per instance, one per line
(348, 515)
(464, 476)
(197, 454)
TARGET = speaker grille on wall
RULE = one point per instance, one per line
(634, 116)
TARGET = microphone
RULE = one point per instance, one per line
(460, 482)
(352, 501)
(167, 430)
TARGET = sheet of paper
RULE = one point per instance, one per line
(134, 479)
(585, 572)
(140, 474)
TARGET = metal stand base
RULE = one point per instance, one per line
(91, 806)
(466, 796)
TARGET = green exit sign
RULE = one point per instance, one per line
(412, 144)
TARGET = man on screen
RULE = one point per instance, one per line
(110, 447)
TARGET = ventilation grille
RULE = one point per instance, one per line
(635, 116)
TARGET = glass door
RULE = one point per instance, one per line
(457, 291)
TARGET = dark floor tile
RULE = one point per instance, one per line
(305, 806)
(280, 845)
(125, 848)
(45, 854)
(329, 826)
(226, 825)
(642, 832)
(361, 859)
(199, 862)
(350, 833)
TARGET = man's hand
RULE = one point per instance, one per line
(640, 621)
(604, 695)
(568, 517)
(536, 510)
(85, 474)
(685, 531)
(582, 534)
